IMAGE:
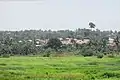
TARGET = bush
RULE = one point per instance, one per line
(58, 55)
(11, 54)
(46, 55)
(110, 56)
(100, 56)
(111, 74)
(88, 52)
(48, 52)
(105, 53)
(5, 56)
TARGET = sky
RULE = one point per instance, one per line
(59, 14)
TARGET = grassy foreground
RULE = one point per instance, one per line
(59, 68)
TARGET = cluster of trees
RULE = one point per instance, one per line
(9, 41)
(47, 34)
(12, 47)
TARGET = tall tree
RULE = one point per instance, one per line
(92, 25)
(54, 43)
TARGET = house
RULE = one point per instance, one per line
(73, 41)
(20, 41)
(111, 40)
(40, 42)
(84, 41)
(30, 40)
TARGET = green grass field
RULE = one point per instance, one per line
(59, 68)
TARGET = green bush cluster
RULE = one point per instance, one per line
(100, 56)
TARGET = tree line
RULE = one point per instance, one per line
(9, 42)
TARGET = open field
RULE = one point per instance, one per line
(59, 68)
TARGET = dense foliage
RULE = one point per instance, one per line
(17, 42)
(54, 43)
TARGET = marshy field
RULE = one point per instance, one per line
(59, 68)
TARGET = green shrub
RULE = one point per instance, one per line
(5, 56)
(87, 52)
(11, 54)
(46, 55)
(100, 56)
(110, 56)
(110, 74)
(105, 53)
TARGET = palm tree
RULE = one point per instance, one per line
(92, 25)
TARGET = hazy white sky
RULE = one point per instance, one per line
(59, 14)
